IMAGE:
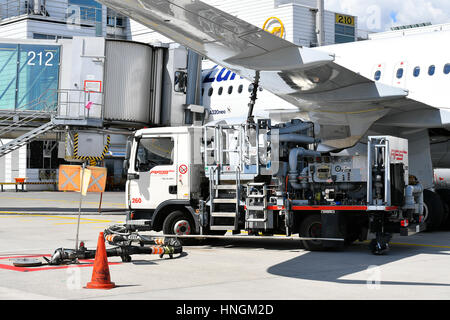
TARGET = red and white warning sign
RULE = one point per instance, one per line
(183, 169)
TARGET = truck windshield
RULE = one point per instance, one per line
(154, 152)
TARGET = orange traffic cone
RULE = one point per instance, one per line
(100, 275)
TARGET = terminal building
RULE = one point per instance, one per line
(78, 78)
(303, 22)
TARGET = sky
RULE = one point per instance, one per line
(381, 15)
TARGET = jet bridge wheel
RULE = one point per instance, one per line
(433, 210)
(445, 197)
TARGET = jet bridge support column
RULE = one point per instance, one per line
(194, 72)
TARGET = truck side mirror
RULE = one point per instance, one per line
(180, 82)
(126, 163)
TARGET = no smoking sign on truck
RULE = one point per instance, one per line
(183, 169)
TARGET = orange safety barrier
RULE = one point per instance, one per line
(69, 178)
(98, 179)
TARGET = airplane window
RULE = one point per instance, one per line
(261, 89)
(230, 89)
(416, 71)
(220, 91)
(210, 92)
(250, 87)
(377, 75)
(447, 68)
(400, 73)
(431, 70)
(241, 88)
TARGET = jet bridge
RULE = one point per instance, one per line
(86, 85)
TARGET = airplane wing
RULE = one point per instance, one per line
(342, 101)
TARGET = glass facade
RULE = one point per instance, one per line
(89, 11)
(30, 75)
(344, 33)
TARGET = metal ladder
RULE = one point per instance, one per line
(230, 150)
(224, 204)
(256, 216)
(27, 137)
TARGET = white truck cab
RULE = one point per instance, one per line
(164, 171)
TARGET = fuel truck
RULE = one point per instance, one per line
(265, 180)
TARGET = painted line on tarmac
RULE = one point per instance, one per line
(411, 245)
(420, 245)
(69, 201)
(57, 217)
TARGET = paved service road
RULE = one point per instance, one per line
(60, 202)
(416, 267)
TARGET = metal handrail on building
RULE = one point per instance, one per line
(14, 8)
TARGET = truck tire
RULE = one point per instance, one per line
(433, 210)
(179, 222)
(311, 227)
(445, 198)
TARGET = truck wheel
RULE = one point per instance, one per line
(445, 198)
(179, 223)
(311, 227)
(433, 210)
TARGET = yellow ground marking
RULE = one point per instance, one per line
(58, 217)
(66, 201)
(63, 223)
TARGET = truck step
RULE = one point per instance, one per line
(222, 228)
(225, 187)
(256, 208)
(257, 196)
(223, 214)
(141, 222)
(224, 200)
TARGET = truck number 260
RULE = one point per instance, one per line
(136, 200)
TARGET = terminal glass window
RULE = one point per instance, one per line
(345, 29)
(154, 152)
(30, 75)
(86, 12)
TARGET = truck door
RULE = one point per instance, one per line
(155, 165)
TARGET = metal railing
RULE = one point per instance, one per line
(42, 107)
(14, 8)
(64, 104)
(79, 104)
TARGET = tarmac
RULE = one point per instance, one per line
(62, 203)
(35, 224)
